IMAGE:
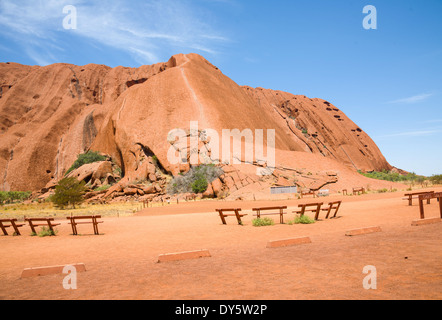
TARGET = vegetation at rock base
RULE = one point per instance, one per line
(69, 191)
(12, 196)
(86, 158)
(195, 181)
(394, 176)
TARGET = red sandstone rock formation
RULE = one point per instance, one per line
(49, 115)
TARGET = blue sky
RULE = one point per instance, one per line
(388, 80)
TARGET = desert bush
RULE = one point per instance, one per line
(262, 222)
(103, 187)
(85, 158)
(11, 196)
(394, 176)
(436, 179)
(302, 220)
(196, 180)
(200, 185)
(69, 191)
(46, 232)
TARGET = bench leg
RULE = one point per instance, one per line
(222, 218)
(421, 209)
(337, 209)
(74, 226)
(328, 212)
(302, 211)
(95, 223)
(3, 229)
(51, 227)
(238, 217)
(440, 207)
(317, 213)
(17, 232)
(32, 227)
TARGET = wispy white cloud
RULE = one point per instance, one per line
(419, 133)
(433, 121)
(143, 29)
(414, 99)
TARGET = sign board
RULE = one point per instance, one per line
(283, 190)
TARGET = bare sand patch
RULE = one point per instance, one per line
(122, 261)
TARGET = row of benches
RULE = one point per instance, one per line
(415, 195)
(303, 208)
(48, 222)
(428, 196)
(356, 191)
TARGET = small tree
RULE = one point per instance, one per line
(69, 191)
(3, 197)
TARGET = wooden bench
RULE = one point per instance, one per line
(34, 222)
(358, 191)
(415, 195)
(428, 196)
(93, 221)
(236, 214)
(12, 223)
(332, 206)
(280, 211)
(308, 193)
(316, 210)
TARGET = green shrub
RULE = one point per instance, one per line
(302, 220)
(200, 185)
(262, 222)
(85, 158)
(69, 191)
(103, 188)
(46, 232)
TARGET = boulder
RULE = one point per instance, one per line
(130, 191)
(217, 187)
(209, 192)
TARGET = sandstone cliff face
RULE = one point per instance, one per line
(49, 115)
(321, 128)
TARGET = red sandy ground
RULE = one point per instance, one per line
(122, 263)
